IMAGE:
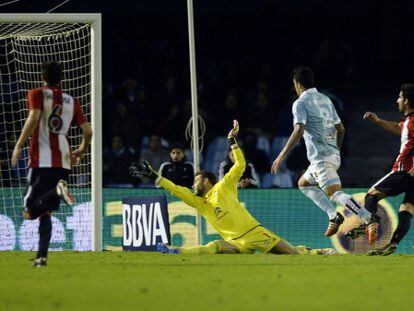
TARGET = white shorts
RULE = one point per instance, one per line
(324, 172)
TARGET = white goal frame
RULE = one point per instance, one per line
(94, 19)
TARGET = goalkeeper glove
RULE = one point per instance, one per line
(231, 136)
(143, 169)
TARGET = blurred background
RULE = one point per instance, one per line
(361, 52)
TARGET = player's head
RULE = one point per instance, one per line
(203, 182)
(51, 72)
(303, 79)
(405, 99)
(177, 152)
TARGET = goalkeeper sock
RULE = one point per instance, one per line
(404, 223)
(320, 199)
(343, 199)
(210, 248)
(45, 233)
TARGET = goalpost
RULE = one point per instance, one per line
(26, 41)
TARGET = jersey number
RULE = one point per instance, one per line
(327, 118)
(55, 121)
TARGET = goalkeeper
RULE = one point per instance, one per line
(219, 204)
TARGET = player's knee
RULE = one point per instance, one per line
(224, 247)
(26, 215)
(407, 207)
(371, 203)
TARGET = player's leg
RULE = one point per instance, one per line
(48, 200)
(50, 186)
(45, 233)
(285, 248)
(310, 188)
(214, 247)
(405, 215)
(326, 175)
(391, 184)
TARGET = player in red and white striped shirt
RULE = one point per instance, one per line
(401, 178)
(51, 114)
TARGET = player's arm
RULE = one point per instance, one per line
(80, 120)
(145, 170)
(392, 127)
(340, 133)
(78, 153)
(295, 137)
(27, 131)
(236, 171)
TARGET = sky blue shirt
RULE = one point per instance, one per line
(316, 111)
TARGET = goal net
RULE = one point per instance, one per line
(24, 46)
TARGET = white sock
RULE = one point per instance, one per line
(341, 198)
(319, 197)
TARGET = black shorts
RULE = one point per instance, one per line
(41, 180)
(396, 183)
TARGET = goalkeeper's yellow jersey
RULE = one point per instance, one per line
(220, 206)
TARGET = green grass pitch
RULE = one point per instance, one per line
(152, 281)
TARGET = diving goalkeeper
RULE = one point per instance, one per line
(219, 204)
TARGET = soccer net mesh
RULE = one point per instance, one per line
(23, 49)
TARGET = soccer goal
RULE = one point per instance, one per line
(26, 41)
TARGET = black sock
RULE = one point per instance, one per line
(404, 223)
(45, 233)
(371, 203)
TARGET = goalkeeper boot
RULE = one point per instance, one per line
(39, 262)
(384, 251)
(63, 192)
(372, 229)
(334, 224)
(356, 232)
(166, 249)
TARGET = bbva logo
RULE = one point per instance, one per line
(144, 225)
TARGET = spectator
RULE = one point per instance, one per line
(256, 156)
(155, 154)
(126, 125)
(259, 116)
(117, 161)
(249, 178)
(178, 169)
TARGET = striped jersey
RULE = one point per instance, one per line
(49, 145)
(405, 159)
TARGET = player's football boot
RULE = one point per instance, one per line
(63, 192)
(357, 232)
(166, 249)
(372, 229)
(384, 251)
(39, 262)
(334, 225)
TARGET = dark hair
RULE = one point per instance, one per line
(177, 146)
(304, 76)
(407, 91)
(210, 176)
(52, 72)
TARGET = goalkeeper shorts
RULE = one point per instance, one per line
(258, 239)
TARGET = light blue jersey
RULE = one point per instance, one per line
(318, 114)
